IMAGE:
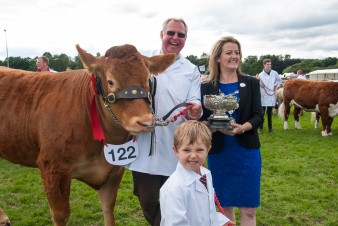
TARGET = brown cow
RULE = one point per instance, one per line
(4, 220)
(46, 121)
(315, 96)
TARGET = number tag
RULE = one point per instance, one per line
(122, 154)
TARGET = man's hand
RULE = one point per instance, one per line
(195, 112)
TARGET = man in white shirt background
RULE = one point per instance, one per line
(269, 83)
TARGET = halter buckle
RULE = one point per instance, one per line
(111, 98)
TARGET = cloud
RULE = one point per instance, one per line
(302, 28)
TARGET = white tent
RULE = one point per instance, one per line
(320, 75)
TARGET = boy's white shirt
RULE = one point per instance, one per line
(185, 201)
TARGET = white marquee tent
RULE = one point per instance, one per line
(327, 74)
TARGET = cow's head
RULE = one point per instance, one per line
(125, 74)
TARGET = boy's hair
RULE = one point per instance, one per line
(193, 130)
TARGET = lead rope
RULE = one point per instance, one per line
(153, 86)
(183, 112)
(266, 89)
(218, 204)
(164, 122)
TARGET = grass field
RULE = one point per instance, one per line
(298, 187)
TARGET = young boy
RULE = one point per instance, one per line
(184, 199)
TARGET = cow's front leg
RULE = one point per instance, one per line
(326, 121)
(108, 193)
(286, 113)
(328, 126)
(57, 182)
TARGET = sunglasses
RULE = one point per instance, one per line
(179, 34)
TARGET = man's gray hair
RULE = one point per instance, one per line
(165, 23)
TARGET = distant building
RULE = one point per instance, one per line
(321, 75)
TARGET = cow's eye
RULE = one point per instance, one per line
(110, 82)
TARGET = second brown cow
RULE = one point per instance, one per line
(316, 96)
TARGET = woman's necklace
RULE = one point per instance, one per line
(230, 94)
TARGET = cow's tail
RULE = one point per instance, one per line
(281, 110)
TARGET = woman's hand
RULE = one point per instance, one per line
(237, 129)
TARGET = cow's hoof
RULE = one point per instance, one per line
(286, 125)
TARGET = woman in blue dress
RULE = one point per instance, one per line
(235, 159)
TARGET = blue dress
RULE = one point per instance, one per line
(236, 170)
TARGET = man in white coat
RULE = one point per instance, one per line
(187, 197)
(179, 83)
(269, 82)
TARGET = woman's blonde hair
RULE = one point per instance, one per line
(214, 66)
(193, 130)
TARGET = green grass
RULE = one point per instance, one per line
(299, 185)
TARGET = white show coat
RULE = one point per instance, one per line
(301, 77)
(185, 201)
(179, 83)
(269, 84)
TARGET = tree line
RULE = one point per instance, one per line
(251, 65)
(57, 62)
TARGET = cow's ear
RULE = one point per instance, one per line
(158, 64)
(88, 60)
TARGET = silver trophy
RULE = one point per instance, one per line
(220, 104)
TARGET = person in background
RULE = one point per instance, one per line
(180, 83)
(187, 197)
(235, 158)
(269, 83)
(300, 74)
(42, 64)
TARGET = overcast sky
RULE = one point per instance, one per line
(302, 28)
